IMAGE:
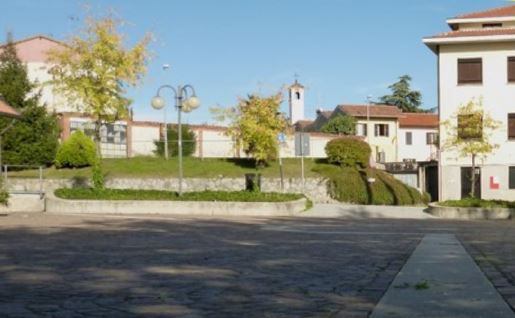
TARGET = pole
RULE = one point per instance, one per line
(302, 157)
(281, 170)
(179, 134)
(165, 134)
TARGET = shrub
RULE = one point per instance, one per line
(351, 185)
(77, 151)
(188, 142)
(348, 152)
(138, 194)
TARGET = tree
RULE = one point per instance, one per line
(255, 125)
(94, 71)
(403, 97)
(341, 125)
(33, 138)
(468, 131)
(188, 142)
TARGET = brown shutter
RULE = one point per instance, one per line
(511, 69)
(470, 71)
(511, 126)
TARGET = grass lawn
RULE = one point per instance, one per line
(478, 203)
(132, 194)
(152, 167)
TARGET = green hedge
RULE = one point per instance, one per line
(77, 151)
(351, 185)
(132, 194)
(478, 203)
(348, 152)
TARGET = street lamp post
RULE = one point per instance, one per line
(183, 103)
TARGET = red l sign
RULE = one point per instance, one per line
(494, 183)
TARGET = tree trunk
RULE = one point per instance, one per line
(473, 178)
(98, 138)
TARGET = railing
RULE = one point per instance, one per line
(40, 191)
(401, 167)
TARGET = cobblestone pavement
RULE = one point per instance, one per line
(71, 266)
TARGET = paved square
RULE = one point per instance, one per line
(71, 266)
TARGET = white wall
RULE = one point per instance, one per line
(143, 138)
(419, 149)
(38, 73)
(498, 99)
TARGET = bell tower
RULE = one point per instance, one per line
(296, 102)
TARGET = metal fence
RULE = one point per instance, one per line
(25, 190)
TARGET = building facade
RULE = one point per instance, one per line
(418, 137)
(476, 61)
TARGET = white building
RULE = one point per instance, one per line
(476, 59)
(418, 137)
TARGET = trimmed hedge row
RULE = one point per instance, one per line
(133, 194)
(347, 184)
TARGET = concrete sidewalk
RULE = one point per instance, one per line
(366, 212)
(440, 279)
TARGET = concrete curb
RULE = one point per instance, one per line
(346, 211)
(200, 208)
(470, 213)
(27, 203)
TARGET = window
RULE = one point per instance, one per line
(409, 138)
(511, 69)
(492, 25)
(381, 130)
(361, 130)
(470, 71)
(512, 178)
(431, 138)
(511, 126)
(297, 95)
(470, 126)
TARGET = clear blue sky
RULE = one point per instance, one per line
(343, 50)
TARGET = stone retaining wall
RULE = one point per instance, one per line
(314, 189)
(258, 209)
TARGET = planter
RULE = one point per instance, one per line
(470, 213)
(201, 208)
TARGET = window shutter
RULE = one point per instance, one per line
(386, 131)
(365, 132)
(470, 71)
(511, 126)
(409, 138)
(376, 132)
(511, 69)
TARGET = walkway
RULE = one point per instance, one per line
(441, 280)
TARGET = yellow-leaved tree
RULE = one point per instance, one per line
(468, 132)
(93, 71)
(255, 124)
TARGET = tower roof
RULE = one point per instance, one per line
(296, 85)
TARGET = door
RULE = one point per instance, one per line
(466, 176)
(432, 182)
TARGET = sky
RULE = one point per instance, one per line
(341, 50)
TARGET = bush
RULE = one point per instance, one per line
(346, 184)
(348, 152)
(478, 203)
(77, 151)
(188, 142)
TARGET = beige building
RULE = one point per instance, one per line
(476, 60)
